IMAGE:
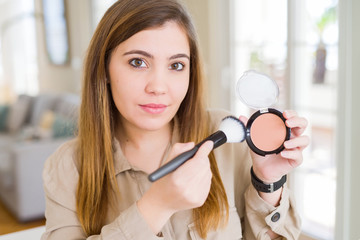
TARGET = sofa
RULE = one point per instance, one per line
(31, 129)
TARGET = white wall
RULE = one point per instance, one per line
(212, 24)
(66, 78)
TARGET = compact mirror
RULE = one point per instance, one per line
(266, 131)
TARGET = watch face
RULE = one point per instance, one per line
(266, 132)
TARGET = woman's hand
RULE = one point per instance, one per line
(189, 185)
(272, 167)
(185, 188)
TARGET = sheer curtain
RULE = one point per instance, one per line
(99, 7)
(19, 70)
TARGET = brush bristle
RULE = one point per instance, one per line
(233, 128)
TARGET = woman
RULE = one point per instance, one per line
(141, 106)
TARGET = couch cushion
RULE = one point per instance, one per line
(47, 120)
(68, 106)
(63, 126)
(41, 104)
(4, 112)
(18, 113)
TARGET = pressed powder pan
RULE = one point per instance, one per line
(266, 131)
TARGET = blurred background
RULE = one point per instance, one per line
(310, 48)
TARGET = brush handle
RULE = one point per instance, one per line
(218, 138)
(173, 164)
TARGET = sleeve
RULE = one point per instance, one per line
(258, 216)
(261, 216)
(60, 178)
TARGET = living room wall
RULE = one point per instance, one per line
(66, 78)
(209, 20)
(212, 24)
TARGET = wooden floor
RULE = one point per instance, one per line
(9, 224)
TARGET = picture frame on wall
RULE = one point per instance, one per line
(56, 31)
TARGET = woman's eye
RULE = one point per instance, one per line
(177, 66)
(138, 63)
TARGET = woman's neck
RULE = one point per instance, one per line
(144, 149)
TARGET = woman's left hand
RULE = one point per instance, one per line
(272, 167)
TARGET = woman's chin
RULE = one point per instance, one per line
(154, 124)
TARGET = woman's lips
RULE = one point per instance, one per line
(153, 108)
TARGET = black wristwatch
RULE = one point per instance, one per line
(264, 187)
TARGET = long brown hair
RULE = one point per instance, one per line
(97, 182)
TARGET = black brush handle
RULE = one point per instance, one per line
(218, 138)
(173, 164)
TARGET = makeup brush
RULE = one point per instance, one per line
(231, 130)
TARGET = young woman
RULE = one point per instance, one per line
(142, 104)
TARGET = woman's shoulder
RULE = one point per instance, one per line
(60, 174)
(217, 115)
(63, 158)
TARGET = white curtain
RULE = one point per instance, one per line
(18, 63)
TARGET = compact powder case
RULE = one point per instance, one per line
(266, 131)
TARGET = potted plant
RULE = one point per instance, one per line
(327, 18)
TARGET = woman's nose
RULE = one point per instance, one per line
(157, 83)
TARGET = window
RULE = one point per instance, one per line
(261, 45)
(99, 7)
(19, 48)
(296, 43)
(56, 33)
(314, 76)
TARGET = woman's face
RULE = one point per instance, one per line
(149, 76)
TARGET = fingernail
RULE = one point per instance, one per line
(284, 154)
(287, 144)
(210, 144)
(288, 123)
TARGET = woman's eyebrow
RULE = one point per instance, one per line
(146, 54)
(180, 55)
(141, 52)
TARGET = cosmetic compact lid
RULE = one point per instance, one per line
(257, 90)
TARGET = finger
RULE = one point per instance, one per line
(204, 150)
(294, 155)
(179, 148)
(297, 122)
(298, 142)
(201, 163)
(297, 125)
(200, 159)
(289, 114)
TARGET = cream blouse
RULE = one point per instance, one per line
(249, 216)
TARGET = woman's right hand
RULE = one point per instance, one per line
(185, 188)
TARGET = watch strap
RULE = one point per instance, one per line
(261, 186)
